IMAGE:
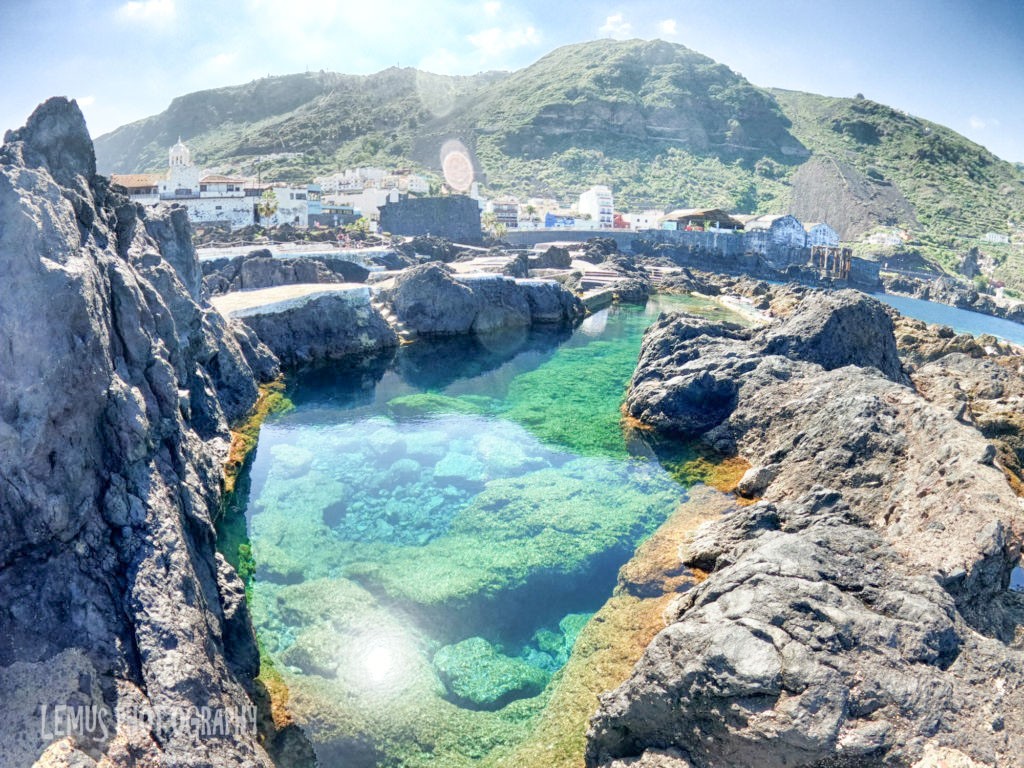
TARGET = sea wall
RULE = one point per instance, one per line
(738, 253)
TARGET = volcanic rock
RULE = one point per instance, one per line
(116, 387)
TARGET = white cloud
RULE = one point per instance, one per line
(491, 9)
(616, 26)
(495, 41)
(980, 124)
(668, 28)
(441, 62)
(147, 11)
(85, 101)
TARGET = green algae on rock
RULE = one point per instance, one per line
(427, 558)
(554, 529)
(476, 675)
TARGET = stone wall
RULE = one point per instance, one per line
(456, 217)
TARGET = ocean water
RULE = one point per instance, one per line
(960, 320)
(428, 531)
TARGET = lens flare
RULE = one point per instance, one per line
(457, 166)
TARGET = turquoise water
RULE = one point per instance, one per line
(961, 320)
(431, 529)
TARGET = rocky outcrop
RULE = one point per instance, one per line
(432, 300)
(316, 324)
(681, 389)
(260, 269)
(955, 293)
(858, 612)
(116, 387)
(552, 258)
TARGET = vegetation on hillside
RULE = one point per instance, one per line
(959, 190)
(662, 125)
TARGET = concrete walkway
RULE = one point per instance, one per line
(282, 297)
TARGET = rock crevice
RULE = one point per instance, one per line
(858, 612)
(117, 384)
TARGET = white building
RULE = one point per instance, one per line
(354, 180)
(888, 237)
(644, 220)
(821, 234)
(597, 202)
(786, 231)
(505, 210)
(995, 237)
(214, 198)
(367, 202)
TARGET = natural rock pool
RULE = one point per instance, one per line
(431, 531)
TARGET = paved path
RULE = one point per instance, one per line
(241, 302)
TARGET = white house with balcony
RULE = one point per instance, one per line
(597, 202)
(215, 198)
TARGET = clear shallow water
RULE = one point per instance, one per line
(430, 531)
(961, 320)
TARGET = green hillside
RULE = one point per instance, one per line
(663, 125)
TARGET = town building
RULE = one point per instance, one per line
(700, 220)
(214, 198)
(995, 237)
(505, 210)
(644, 220)
(597, 203)
(821, 234)
(354, 180)
(367, 202)
(782, 231)
(890, 236)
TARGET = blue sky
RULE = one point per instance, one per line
(957, 62)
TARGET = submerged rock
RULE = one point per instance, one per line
(477, 676)
(116, 386)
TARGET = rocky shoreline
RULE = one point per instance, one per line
(953, 292)
(856, 609)
(118, 384)
(859, 611)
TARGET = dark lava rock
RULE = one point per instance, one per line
(836, 329)
(633, 291)
(432, 300)
(116, 387)
(553, 258)
(858, 614)
(260, 269)
(429, 300)
(426, 248)
(392, 260)
(321, 326)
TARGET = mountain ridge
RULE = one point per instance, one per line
(665, 126)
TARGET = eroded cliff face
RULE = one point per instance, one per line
(117, 383)
(858, 614)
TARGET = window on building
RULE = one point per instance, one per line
(202, 187)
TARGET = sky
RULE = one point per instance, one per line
(956, 62)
